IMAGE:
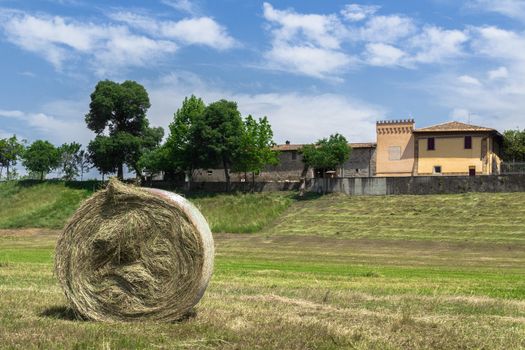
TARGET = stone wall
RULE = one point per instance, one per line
(420, 185)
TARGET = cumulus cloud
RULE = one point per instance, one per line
(499, 73)
(324, 46)
(39, 125)
(356, 12)
(468, 80)
(510, 8)
(182, 5)
(129, 40)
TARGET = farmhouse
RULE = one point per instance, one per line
(451, 148)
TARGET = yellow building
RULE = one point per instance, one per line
(451, 148)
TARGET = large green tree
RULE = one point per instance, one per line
(217, 136)
(41, 157)
(11, 150)
(514, 145)
(256, 148)
(327, 153)
(118, 111)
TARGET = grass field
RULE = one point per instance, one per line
(293, 293)
(49, 205)
(399, 272)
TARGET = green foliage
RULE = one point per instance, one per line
(217, 136)
(41, 157)
(256, 150)
(514, 145)
(69, 160)
(120, 109)
(10, 151)
(327, 153)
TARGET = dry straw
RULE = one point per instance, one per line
(132, 253)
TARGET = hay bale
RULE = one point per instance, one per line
(133, 253)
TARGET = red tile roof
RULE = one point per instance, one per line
(453, 126)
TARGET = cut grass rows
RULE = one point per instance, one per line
(295, 293)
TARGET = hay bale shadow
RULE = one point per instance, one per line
(188, 316)
(61, 313)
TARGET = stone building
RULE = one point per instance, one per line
(361, 163)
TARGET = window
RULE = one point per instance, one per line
(294, 155)
(210, 172)
(431, 144)
(394, 153)
(437, 169)
(468, 142)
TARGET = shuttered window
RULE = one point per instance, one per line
(431, 144)
(468, 142)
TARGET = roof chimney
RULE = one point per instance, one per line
(287, 142)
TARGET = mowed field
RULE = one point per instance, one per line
(408, 272)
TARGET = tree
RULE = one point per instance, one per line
(84, 163)
(69, 160)
(216, 136)
(327, 154)
(10, 151)
(256, 150)
(41, 157)
(103, 154)
(180, 146)
(514, 145)
(119, 110)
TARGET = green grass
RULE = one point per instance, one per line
(242, 213)
(50, 204)
(476, 217)
(287, 292)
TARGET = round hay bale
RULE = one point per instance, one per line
(133, 253)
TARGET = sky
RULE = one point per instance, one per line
(312, 67)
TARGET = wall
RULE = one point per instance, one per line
(420, 185)
(362, 163)
(451, 155)
(221, 186)
(395, 134)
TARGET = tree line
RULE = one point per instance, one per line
(200, 137)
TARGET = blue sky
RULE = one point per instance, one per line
(313, 67)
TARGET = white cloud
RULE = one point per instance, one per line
(307, 44)
(468, 80)
(298, 117)
(499, 73)
(387, 29)
(41, 125)
(182, 5)
(356, 12)
(509, 8)
(311, 61)
(435, 45)
(499, 43)
(131, 40)
(202, 30)
(380, 54)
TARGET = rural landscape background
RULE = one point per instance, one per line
(150, 90)
(438, 271)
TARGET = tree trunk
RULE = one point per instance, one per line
(302, 186)
(226, 175)
(41, 176)
(120, 171)
(7, 171)
(253, 181)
